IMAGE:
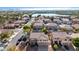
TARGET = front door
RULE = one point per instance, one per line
(56, 42)
(60, 43)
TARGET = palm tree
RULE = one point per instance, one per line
(50, 36)
(32, 26)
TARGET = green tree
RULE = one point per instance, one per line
(27, 28)
(55, 46)
(4, 36)
(75, 42)
(77, 30)
(30, 15)
(43, 29)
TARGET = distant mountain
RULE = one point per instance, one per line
(36, 8)
(33, 10)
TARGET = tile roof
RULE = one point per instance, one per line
(61, 35)
(38, 24)
(38, 36)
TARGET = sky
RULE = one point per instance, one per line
(39, 3)
(58, 4)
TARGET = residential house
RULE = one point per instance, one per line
(66, 27)
(66, 21)
(40, 37)
(75, 35)
(39, 21)
(37, 27)
(9, 26)
(57, 20)
(51, 26)
(25, 17)
(47, 20)
(19, 22)
(75, 26)
(75, 21)
(61, 37)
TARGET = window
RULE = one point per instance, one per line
(39, 40)
(50, 28)
(44, 40)
(34, 29)
(65, 39)
(69, 39)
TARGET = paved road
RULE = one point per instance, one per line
(30, 22)
(71, 48)
(18, 36)
(43, 48)
(49, 46)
